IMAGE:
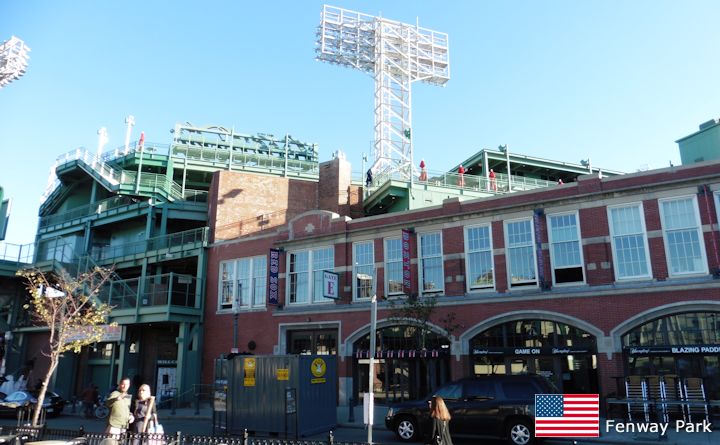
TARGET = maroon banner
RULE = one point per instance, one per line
(273, 295)
(407, 280)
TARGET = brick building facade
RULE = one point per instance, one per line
(586, 282)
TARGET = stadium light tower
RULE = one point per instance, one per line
(13, 60)
(396, 54)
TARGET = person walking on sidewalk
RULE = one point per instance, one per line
(145, 412)
(441, 422)
(119, 404)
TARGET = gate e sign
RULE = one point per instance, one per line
(331, 285)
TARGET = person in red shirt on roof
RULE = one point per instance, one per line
(461, 176)
(423, 172)
(493, 182)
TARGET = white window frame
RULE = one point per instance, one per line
(313, 274)
(230, 304)
(552, 243)
(469, 276)
(362, 268)
(391, 261)
(257, 273)
(421, 264)
(698, 230)
(508, 267)
(648, 263)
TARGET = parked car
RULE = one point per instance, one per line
(25, 400)
(493, 406)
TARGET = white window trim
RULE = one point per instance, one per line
(701, 237)
(241, 307)
(468, 278)
(645, 241)
(354, 271)
(507, 255)
(552, 251)
(386, 276)
(311, 278)
(421, 279)
(220, 307)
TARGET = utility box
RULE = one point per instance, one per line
(282, 394)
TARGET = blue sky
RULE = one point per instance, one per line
(614, 81)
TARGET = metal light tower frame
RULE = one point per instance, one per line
(396, 54)
(13, 60)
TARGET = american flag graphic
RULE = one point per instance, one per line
(567, 415)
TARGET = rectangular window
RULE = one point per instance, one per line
(431, 262)
(519, 240)
(363, 270)
(683, 237)
(565, 249)
(227, 284)
(479, 257)
(629, 241)
(243, 282)
(304, 265)
(393, 266)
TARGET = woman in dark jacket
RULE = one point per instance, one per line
(441, 422)
(142, 406)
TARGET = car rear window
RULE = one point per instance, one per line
(519, 390)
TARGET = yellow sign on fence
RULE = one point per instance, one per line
(249, 368)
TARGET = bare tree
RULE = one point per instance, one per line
(419, 312)
(69, 308)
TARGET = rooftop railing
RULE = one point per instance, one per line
(498, 185)
(17, 253)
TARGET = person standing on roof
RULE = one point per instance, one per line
(461, 176)
(423, 172)
(493, 181)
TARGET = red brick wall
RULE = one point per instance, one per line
(246, 203)
(605, 308)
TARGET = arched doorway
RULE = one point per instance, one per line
(682, 344)
(410, 362)
(563, 353)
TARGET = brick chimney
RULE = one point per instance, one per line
(334, 184)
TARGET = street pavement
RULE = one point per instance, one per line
(190, 421)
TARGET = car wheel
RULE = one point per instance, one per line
(519, 432)
(406, 429)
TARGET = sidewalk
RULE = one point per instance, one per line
(612, 436)
(606, 437)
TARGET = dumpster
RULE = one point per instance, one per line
(292, 395)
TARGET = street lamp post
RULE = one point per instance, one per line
(371, 366)
(236, 308)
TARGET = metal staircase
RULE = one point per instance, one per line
(126, 182)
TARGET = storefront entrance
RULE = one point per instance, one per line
(681, 345)
(409, 364)
(566, 355)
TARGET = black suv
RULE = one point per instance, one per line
(498, 406)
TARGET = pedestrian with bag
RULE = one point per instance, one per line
(145, 411)
(441, 422)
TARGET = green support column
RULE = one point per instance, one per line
(163, 220)
(183, 359)
(200, 283)
(169, 177)
(93, 192)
